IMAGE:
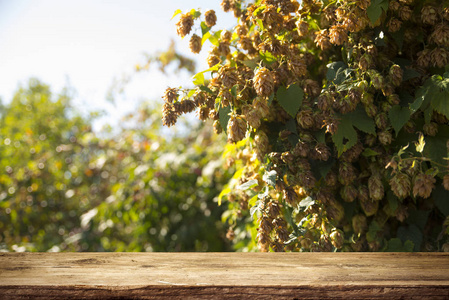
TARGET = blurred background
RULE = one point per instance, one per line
(85, 164)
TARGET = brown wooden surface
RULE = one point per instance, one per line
(224, 275)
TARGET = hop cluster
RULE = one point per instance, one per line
(236, 129)
(400, 184)
(326, 131)
(195, 44)
(184, 25)
(423, 185)
(263, 82)
(210, 18)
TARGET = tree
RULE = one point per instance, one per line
(66, 189)
(162, 197)
(43, 162)
(336, 115)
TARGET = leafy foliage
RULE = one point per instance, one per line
(354, 83)
(290, 99)
(66, 189)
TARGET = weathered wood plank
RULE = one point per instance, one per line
(225, 275)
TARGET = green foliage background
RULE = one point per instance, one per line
(65, 188)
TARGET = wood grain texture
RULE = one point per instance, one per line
(224, 275)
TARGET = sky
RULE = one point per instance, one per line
(85, 44)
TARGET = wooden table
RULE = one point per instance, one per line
(224, 275)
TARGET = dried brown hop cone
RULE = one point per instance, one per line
(429, 15)
(290, 196)
(348, 193)
(169, 118)
(335, 211)
(171, 95)
(195, 44)
(210, 18)
(338, 35)
(236, 129)
(376, 188)
(263, 82)
(213, 59)
(322, 39)
(187, 106)
(423, 185)
(396, 75)
(405, 12)
(184, 25)
(439, 57)
(401, 185)
(430, 129)
(226, 5)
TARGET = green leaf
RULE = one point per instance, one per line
(267, 57)
(394, 245)
(290, 98)
(206, 89)
(291, 126)
(255, 209)
(308, 201)
(410, 73)
(191, 92)
(333, 69)
(223, 193)
(392, 201)
(368, 152)
(439, 94)
(253, 200)
(418, 218)
(435, 91)
(374, 11)
(371, 235)
(441, 199)
(409, 246)
(177, 12)
(398, 36)
(204, 28)
(205, 37)
(270, 178)
(288, 212)
(399, 116)
(212, 69)
(436, 145)
(195, 13)
(420, 99)
(214, 40)
(198, 79)
(223, 115)
(259, 10)
(323, 167)
(234, 90)
(411, 233)
(361, 120)
(250, 63)
(346, 135)
(248, 185)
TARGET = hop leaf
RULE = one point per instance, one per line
(290, 98)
